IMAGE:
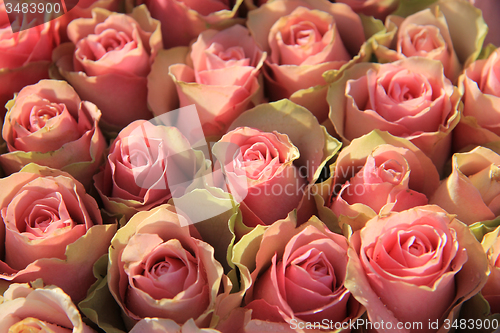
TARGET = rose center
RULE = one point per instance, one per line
(303, 33)
(108, 40)
(232, 53)
(390, 172)
(39, 115)
(425, 40)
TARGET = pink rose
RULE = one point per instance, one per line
(376, 8)
(48, 124)
(258, 168)
(297, 274)
(46, 309)
(415, 266)
(51, 229)
(491, 290)
(274, 150)
(480, 84)
(158, 269)
(304, 38)
(147, 164)
(423, 34)
(183, 20)
(108, 61)
(409, 98)
(24, 56)
(472, 191)
(378, 173)
(219, 75)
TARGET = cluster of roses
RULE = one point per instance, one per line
(343, 164)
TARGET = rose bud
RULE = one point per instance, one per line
(305, 38)
(147, 165)
(219, 74)
(46, 309)
(297, 274)
(50, 229)
(414, 266)
(378, 173)
(449, 31)
(480, 122)
(410, 98)
(472, 191)
(108, 60)
(48, 124)
(157, 268)
(25, 56)
(258, 167)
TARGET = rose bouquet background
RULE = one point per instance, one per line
(251, 166)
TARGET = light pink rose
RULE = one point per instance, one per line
(47, 309)
(51, 229)
(472, 191)
(183, 20)
(259, 170)
(297, 274)
(418, 265)
(378, 173)
(108, 60)
(24, 56)
(491, 290)
(157, 268)
(220, 77)
(480, 85)
(142, 161)
(304, 38)
(423, 34)
(376, 8)
(48, 124)
(409, 98)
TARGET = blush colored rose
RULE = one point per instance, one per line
(491, 290)
(24, 56)
(259, 168)
(300, 166)
(297, 274)
(48, 124)
(409, 98)
(417, 265)
(146, 166)
(472, 191)
(378, 173)
(447, 31)
(157, 269)
(183, 20)
(480, 84)
(47, 309)
(47, 217)
(376, 8)
(108, 60)
(304, 38)
(220, 77)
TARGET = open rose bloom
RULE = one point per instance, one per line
(48, 124)
(417, 265)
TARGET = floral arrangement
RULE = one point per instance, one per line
(251, 166)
